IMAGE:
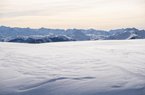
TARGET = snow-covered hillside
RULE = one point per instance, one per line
(73, 68)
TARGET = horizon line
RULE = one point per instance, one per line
(71, 28)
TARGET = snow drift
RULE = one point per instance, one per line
(73, 68)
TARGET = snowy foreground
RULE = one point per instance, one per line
(73, 68)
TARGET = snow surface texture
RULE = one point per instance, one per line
(73, 68)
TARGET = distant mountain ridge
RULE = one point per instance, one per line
(42, 35)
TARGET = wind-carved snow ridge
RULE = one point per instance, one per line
(52, 80)
(73, 68)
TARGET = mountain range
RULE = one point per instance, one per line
(42, 35)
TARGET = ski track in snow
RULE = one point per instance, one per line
(73, 68)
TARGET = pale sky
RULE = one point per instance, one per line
(97, 14)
